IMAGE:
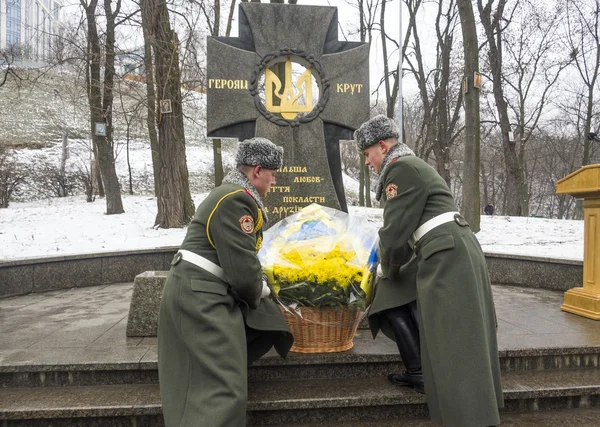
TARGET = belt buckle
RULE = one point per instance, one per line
(176, 258)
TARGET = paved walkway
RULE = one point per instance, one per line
(91, 322)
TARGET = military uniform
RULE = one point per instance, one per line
(389, 294)
(457, 320)
(211, 329)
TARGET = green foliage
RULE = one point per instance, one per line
(319, 295)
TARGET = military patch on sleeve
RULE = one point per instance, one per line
(247, 224)
(391, 191)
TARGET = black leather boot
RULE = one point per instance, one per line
(403, 321)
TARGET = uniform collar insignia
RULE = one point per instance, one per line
(238, 178)
(397, 151)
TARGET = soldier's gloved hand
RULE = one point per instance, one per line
(266, 291)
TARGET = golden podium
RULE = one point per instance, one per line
(585, 184)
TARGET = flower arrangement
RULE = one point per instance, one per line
(320, 257)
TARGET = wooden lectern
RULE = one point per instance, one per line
(585, 184)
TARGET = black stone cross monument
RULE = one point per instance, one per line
(263, 83)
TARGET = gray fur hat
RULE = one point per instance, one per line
(378, 128)
(259, 152)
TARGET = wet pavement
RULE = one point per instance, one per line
(95, 318)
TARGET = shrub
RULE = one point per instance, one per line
(12, 175)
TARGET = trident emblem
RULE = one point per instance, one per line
(290, 94)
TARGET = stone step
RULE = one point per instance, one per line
(579, 417)
(368, 358)
(309, 402)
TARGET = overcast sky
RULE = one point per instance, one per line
(348, 19)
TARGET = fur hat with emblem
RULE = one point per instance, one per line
(259, 152)
(378, 128)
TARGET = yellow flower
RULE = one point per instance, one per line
(309, 265)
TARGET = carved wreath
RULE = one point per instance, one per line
(316, 65)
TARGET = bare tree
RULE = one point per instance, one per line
(391, 89)
(583, 30)
(471, 162)
(524, 65)
(559, 153)
(7, 70)
(130, 114)
(213, 21)
(100, 93)
(532, 67)
(439, 91)
(12, 175)
(367, 14)
(271, 1)
(175, 205)
(151, 118)
(494, 22)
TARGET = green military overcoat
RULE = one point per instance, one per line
(390, 294)
(457, 321)
(205, 323)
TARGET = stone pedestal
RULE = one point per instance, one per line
(145, 304)
(585, 184)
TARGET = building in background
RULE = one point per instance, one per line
(28, 28)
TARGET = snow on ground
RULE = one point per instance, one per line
(67, 226)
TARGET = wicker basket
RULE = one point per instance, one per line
(326, 330)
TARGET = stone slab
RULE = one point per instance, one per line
(124, 269)
(533, 272)
(67, 402)
(74, 274)
(566, 418)
(23, 276)
(16, 280)
(145, 304)
(74, 359)
(20, 277)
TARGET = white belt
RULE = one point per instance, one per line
(203, 263)
(432, 223)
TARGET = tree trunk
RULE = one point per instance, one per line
(128, 160)
(63, 160)
(230, 19)
(361, 181)
(217, 157)
(589, 67)
(365, 181)
(97, 174)
(386, 69)
(588, 119)
(95, 178)
(218, 161)
(471, 202)
(514, 172)
(175, 205)
(114, 204)
(217, 24)
(151, 101)
(368, 187)
(98, 113)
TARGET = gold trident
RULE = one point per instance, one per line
(288, 100)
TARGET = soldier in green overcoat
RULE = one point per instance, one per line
(394, 312)
(457, 321)
(215, 318)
